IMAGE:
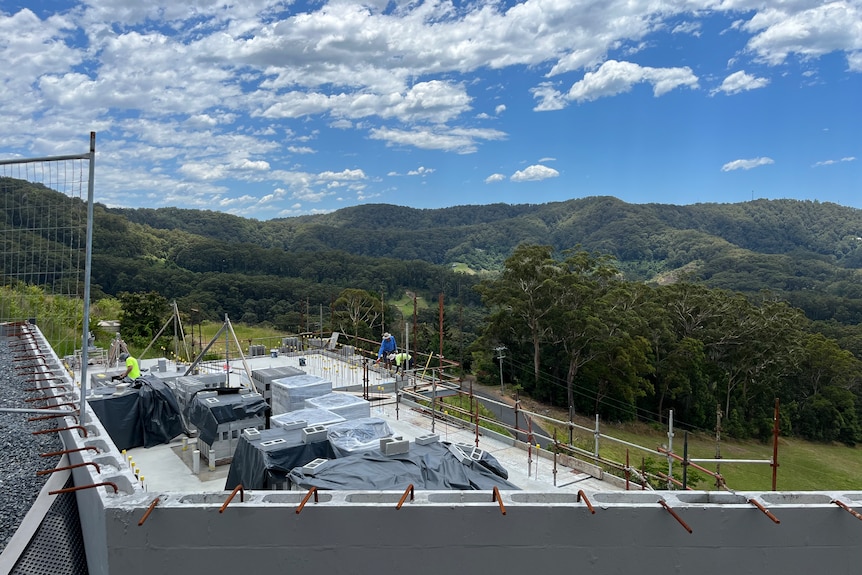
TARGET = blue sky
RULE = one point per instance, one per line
(270, 109)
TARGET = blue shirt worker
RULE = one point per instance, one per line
(387, 347)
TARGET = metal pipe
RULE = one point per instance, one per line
(65, 451)
(312, 491)
(28, 356)
(664, 504)
(582, 495)
(54, 415)
(775, 446)
(148, 511)
(68, 467)
(499, 499)
(409, 491)
(766, 511)
(70, 428)
(78, 488)
(231, 496)
(41, 410)
(847, 508)
(44, 398)
(45, 159)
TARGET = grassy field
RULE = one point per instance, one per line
(802, 465)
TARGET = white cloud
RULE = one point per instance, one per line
(344, 175)
(421, 171)
(434, 101)
(831, 162)
(786, 29)
(692, 28)
(534, 173)
(740, 82)
(746, 164)
(615, 77)
(550, 99)
(495, 178)
(190, 98)
(459, 140)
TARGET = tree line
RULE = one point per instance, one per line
(578, 335)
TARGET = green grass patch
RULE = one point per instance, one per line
(802, 465)
(458, 406)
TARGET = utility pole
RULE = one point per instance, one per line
(718, 444)
(500, 357)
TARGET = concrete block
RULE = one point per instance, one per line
(394, 446)
(313, 434)
(310, 468)
(427, 439)
(251, 433)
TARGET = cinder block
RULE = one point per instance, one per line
(313, 434)
(251, 433)
(458, 451)
(394, 446)
(310, 468)
(427, 439)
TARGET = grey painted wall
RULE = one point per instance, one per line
(339, 536)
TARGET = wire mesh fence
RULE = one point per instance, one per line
(43, 245)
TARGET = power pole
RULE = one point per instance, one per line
(718, 444)
(500, 357)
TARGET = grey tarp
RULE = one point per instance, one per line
(431, 466)
(264, 462)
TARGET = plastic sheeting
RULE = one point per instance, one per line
(207, 415)
(146, 414)
(290, 393)
(310, 416)
(357, 435)
(344, 404)
(264, 462)
(431, 466)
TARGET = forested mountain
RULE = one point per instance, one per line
(808, 253)
(483, 236)
(609, 307)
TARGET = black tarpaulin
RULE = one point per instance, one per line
(431, 466)
(160, 416)
(146, 414)
(208, 413)
(265, 461)
(119, 415)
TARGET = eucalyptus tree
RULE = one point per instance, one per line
(825, 392)
(356, 312)
(675, 316)
(621, 364)
(580, 310)
(527, 289)
(754, 347)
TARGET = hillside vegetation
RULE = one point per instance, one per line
(606, 307)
